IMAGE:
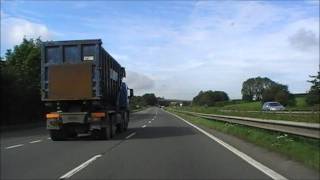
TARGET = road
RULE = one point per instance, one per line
(158, 145)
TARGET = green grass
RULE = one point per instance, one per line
(301, 149)
(246, 106)
(301, 102)
(301, 117)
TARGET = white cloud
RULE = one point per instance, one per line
(139, 82)
(223, 44)
(14, 29)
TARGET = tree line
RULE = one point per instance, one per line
(261, 89)
(264, 89)
(20, 83)
(148, 99)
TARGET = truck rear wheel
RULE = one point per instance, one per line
(126, 121)
(105, 133)
(113, 130)
(57, 135)
(121, 125)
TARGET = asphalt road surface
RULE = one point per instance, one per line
(157, 145)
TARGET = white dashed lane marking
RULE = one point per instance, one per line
(144, 126)
(36, 141)
(80, 167)
(14, 146)
(132, 134)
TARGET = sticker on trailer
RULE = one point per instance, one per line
(113, 75)
(88, 58)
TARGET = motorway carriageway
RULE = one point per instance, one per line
(158, 145)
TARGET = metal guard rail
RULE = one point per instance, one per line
(310, 130)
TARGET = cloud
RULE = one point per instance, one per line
(139, 82)
(220, 46)
(304, 40)
(13, 30)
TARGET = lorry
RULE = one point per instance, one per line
(82, 90)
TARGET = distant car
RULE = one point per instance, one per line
(272, 106)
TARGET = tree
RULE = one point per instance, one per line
(209, 98)
(313, 96)
(279, 93)
(20, 83)
(253, 88)
(150, 99)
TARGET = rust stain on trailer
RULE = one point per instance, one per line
(70, 81)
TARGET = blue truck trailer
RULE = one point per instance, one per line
(83, 90)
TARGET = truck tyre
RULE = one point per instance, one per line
(72, 134)
(105, 133)
(126, 121)
(113, 127)
(120, 126)
(57, 135)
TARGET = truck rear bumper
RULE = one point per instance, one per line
(78, 121)
(57, 120)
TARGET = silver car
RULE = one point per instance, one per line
(272, 106)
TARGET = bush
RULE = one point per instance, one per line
(279, 93)
(210, 98)
(313, 96)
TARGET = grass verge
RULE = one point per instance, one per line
(301, 149)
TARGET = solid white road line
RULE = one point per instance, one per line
(14, 146)
(132, 134)
(80, 167)
(36, 141)
(271, 173)
(143, 126)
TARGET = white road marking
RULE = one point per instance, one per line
(132, 134)
(36, 141)
(80, 167)
(49, 138)
(271, 173)
(149, 121)
(14, 146)
(143, 126)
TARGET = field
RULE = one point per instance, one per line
(298, 148)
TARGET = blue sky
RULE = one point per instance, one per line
(177, 48)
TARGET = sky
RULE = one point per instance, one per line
(177, 48)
